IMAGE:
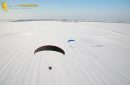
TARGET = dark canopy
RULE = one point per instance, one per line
(49, 48)
(71, 40)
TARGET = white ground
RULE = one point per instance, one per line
(100, 55)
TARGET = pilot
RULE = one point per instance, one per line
(49, 67)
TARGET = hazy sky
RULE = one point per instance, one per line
(118, 10)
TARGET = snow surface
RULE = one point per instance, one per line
(100, 54)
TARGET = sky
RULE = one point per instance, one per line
(109, 10)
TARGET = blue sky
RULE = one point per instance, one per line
(74, 9)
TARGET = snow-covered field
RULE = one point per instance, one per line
(100, 54)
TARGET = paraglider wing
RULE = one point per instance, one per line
(71, 40)
(71, 43)
(49, 48)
